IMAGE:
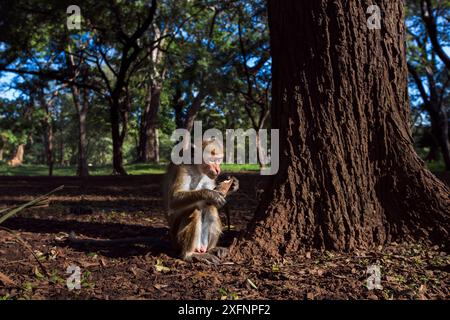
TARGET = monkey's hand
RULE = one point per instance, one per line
(235, 185)
(216, 198)
(228, 185)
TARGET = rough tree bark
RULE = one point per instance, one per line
(349, 176)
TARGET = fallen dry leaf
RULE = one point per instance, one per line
(6, 280)
(160, 286)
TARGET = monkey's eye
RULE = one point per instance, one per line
(216, 160)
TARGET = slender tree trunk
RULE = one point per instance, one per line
(118, 135)
(440, 131)
(260, 150)
(148, 143)
(178, 105)
(431, 27)
(17, 159)
(48, 139)
(193, 110)
(349, 176)
(148, 150)
(48, 131)
(50, 158)
(438, 115)
(2, 147)
(83, 169)
(61, 151)
(434, 150)
(81, 104)
(153, 145)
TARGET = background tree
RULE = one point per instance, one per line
(430, 78)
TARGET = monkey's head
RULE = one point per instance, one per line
(212, 158)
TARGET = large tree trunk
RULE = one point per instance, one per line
(349, 176)
(17, 160)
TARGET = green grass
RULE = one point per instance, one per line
(138, 169)
(132, 169)
(239, 167)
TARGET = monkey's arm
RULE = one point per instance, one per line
(183, 199)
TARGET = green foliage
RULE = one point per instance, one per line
(218, 49)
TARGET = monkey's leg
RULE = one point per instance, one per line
(189, 232)
(211, 228)
(188, 239)
(211, 231)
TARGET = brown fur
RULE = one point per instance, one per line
(191, 209)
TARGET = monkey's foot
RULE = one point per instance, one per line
(203, 257)
(201, 249)
(220, 252)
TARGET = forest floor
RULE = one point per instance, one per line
(117, 207)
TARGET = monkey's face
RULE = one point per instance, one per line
(211, 166)
(212, 159)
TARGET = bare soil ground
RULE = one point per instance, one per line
(118, 207)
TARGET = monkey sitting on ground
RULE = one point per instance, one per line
(192, 199)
